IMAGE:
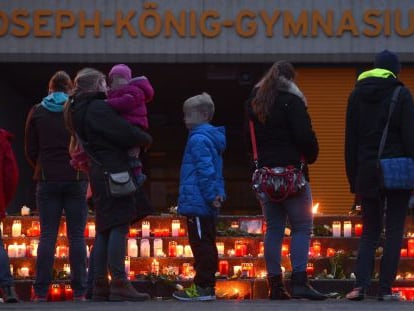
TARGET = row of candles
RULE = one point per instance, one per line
(23, 250)
(347, 229)
(34, 230)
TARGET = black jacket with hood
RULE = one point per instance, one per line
(367, 113)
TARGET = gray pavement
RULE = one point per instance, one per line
(219, 305)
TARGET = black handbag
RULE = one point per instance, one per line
(395, 173)
(118, 184)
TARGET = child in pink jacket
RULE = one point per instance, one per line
(129, 97)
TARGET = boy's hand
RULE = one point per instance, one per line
(218, 201)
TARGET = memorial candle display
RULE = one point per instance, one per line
(336, 229)
(175, 227)
(145, 229)
(347, 229)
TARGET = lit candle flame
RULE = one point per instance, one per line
(315, 208)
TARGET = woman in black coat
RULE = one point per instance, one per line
(106, 138)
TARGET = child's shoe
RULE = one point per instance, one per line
(195, 293)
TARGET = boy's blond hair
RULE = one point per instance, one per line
(202, 102)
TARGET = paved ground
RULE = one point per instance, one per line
(219, 305)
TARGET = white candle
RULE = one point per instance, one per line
(127, 265)
(145, 248)
(11, 269)
(145, 229)
(24, 271)
(91, 230)
(16, 228)
(155, 267)
(34, 245)
(158, 249)
(1, 229)
(66, 268)
(220, 248)
(187, 251)
(25, 211)
(12, 250)
(175, 227)
(180, 251)
(132, 248)
(347, 229)
(336, 229)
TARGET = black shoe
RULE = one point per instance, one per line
(302, 289)
(9, 294)
(277, 290)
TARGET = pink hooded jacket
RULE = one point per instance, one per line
(131, 99)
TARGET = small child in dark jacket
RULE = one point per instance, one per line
(201, 193)
(130, 96)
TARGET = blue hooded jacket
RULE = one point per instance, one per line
(201, 177)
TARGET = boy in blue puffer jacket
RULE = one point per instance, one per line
(201, 193)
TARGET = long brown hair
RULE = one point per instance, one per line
(267, 88)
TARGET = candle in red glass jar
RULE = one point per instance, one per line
(358, 229)
(310, 269)
(172, 249)
(68, 292)
(404, 252)
(330, 252)
(285, 250)
(133, 232)
(55, 292)
(316, 248)
(410, 248)
(223, 267)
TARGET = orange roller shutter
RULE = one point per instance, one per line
(327, 90)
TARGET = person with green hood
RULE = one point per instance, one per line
(367, 113)
(60, 188)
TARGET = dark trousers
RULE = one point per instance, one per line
(52, 199)
(389, 213)
(6, 278)
(109, 252)
(202, 238)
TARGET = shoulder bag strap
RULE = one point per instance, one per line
(385, 131)
(253, 139)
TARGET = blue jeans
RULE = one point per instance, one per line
(109, 253)
(6, 278)
(53, 198)
(298, 210)
(373, 220)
